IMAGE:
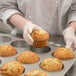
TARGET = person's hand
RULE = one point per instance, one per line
(28, 28)
(70, 38)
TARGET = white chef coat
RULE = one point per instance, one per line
(48, 14)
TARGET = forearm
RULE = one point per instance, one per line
(18, 21)
(73, 25)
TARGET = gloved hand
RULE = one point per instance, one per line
(28, 28)
(70, 38)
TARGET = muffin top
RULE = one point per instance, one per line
(63, 53)
(39, 35)
(12, 68)
(51, 64)
(7, 50)
(36, 73)
(27, 57)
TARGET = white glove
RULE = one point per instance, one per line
(70, 38)
(28, 28)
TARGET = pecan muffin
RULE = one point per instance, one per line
(51, 64)
(7, 50)
(12, 68)
(36, 73)
(27, 57)
(63, 53)
(40, 38)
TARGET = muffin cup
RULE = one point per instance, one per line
(40, 44)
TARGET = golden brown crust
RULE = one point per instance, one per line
(40, 38)
(7, 50)
(40, 44)
(63, 53)
(12, 68)
(39, 35)
(27, 57)
(36, 73)
(51, 64)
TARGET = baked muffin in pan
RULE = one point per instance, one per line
(12, 68)
(36, 73)
(27, 57)
(51, 64)
(7, 50)
(63, 53)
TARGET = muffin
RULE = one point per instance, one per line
(63, 53)
(36, 73)
(12, 68)
(40, 38)
(51, 64)
(27, 57)
(7, 50)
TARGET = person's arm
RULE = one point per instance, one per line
(69, 32)
(72, 24)
(25, 25)
(7, 9)
(13, 18)
(18, 21)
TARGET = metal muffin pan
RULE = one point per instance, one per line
(43, 53)
(5, 39)
(19, 44)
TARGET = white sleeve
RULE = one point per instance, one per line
(6, 15)
(72, 17)
(7, 9)
(72, 13)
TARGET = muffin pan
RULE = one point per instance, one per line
(43, 53)
(5, 39)
(40, 50)
(19, 44)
